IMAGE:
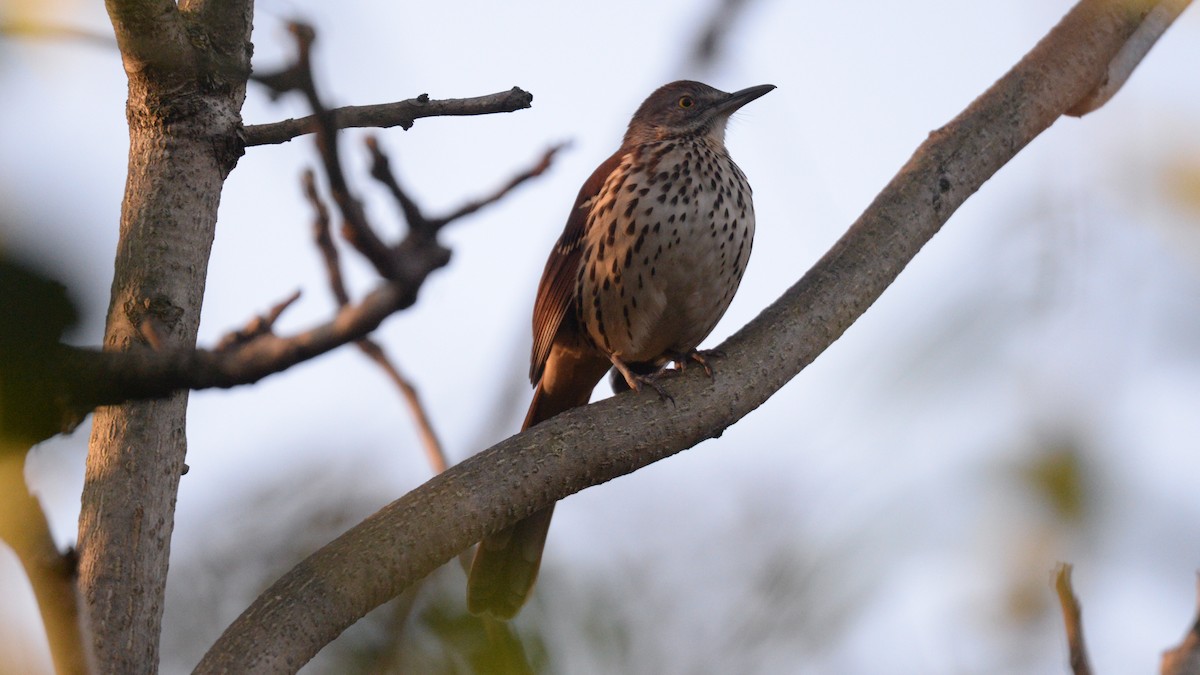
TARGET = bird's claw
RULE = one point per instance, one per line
(652, 381)
(635, 380)
(700, 356)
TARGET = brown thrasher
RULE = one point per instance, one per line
(652, 253)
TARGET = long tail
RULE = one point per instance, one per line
(506, 563)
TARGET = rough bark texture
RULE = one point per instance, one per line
(187, 68)
(406, 540)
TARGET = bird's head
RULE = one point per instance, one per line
(687, 108)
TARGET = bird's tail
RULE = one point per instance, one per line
(506, 563)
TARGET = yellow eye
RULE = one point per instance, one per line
(686, 102)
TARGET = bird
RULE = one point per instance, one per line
(652, 252)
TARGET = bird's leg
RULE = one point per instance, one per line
(635, 381)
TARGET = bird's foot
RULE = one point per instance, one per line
(635, 380)
(701, 356)
(651, 381)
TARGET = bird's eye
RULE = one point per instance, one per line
(686, 102)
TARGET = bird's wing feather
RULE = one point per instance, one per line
(556, 292)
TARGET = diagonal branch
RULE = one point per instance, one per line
(355, 227)
(314, 602)
(381, 170)
(1157, 21)
(475, 204)
(79, 379)
(371, 349)
(257, 327)
(384, 115)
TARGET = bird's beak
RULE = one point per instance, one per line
(740, 98)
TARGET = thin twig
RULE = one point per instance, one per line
(381, 170)
(355, 228)
(260, 325)
(434, 451)
(89, 377)
(1072, 619)
(384, 115)
(324, 240)
(474, 205)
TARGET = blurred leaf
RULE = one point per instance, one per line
(34, 313)
(1056, 475)
(1181, 181)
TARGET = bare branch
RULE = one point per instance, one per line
(258, 326)
(384, 115)
(434, 452)
(355, 227)
(1072, 619)
(1184, 659)
(474, 205)
(324, 239)
(321, 234)
(381, 170)
(374, 561)
(77, 380)
(104, 378)
(1152, 27)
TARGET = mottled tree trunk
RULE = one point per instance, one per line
(187, 69)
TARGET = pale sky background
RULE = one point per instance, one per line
(873, 516)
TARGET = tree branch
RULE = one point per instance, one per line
(355, 228)
(76, 380)
(314, 602)
(381, 171)
(1157, 21)
(151, 34)
(384, 115)
(1072, 620)
(371, 349)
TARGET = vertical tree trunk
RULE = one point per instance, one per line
(187, 70)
